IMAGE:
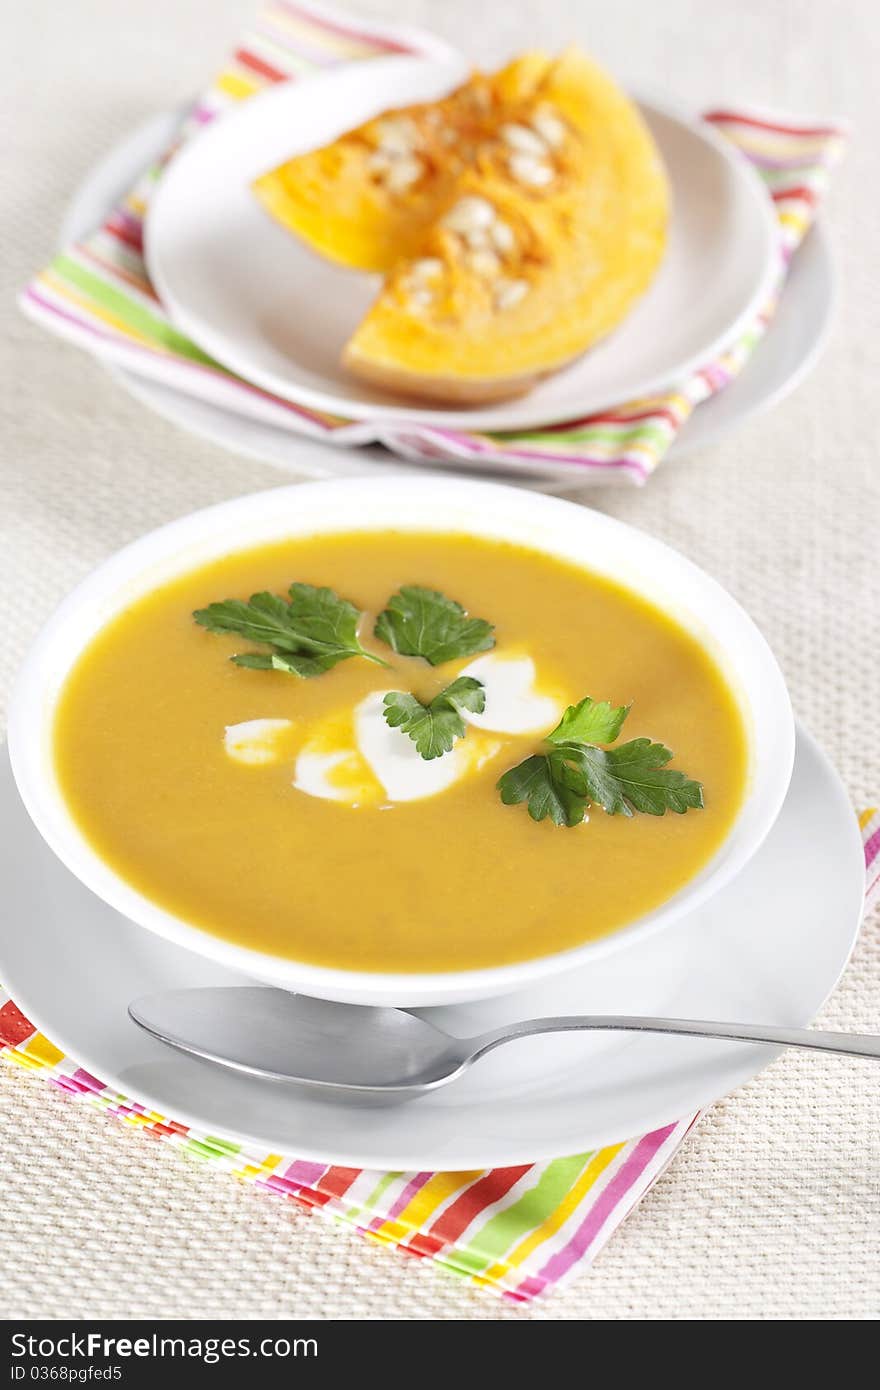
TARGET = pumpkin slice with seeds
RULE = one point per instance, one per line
(369, 197)
(518, 221)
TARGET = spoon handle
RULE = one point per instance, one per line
(846, 1044)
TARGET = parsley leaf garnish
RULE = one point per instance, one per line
(421, 622)
(633, 777)
(548, 787)
(307, 635)
(573, 773)
(434, 727)
(591, 721)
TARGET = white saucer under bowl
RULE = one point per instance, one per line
(788, 351)
(768, 948)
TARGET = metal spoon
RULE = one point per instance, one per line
(291, 1037)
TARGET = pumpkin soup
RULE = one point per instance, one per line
(415, 759)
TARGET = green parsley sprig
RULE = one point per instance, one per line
(316, 629)
(573, 772)
(434, 727)
(421, 622)
(307, 635)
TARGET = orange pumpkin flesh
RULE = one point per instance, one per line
(517, 221)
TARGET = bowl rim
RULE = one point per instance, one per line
(188, 542)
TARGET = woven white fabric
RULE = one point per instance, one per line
(772, 1209)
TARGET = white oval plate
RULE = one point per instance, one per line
(768, 948)
(788, 351)
(265, 306)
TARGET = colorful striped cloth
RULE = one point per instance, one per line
(98, 295)
(521, 1231)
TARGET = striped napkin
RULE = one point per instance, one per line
(98, 295)
(521, 1231)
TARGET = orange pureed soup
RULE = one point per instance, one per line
(283, 837)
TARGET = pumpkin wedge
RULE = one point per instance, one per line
(517, 221)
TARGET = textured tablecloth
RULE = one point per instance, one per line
(772, 1210)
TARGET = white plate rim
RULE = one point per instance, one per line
(522, 414)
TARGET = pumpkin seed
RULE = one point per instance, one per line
(508, 293)
(502, 236)
(548, 125)
(470, 214)
(419, 298)
(526, 169)
(477, 237)
(428, 268)
(397, 135)
(402, 173)
(484, 263)
(522, 138)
